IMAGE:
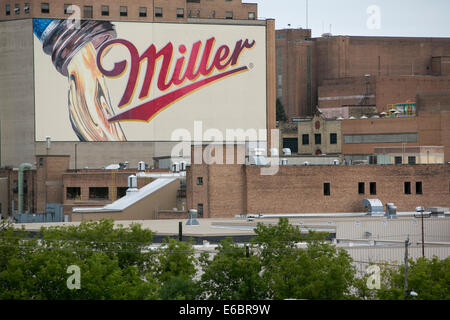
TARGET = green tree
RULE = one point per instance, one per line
(319, 271)
(230, 275)
(430, 278)
(281, 114)
(109, 259)
(175, 269)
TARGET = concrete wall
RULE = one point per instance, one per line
(16, 92)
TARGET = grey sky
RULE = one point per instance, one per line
(410, 18)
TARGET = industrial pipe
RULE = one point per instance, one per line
(22, 168)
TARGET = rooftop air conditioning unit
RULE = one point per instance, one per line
(287, 151)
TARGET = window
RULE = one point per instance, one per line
(142, 12)
(200, 181)
(373, 159)
(198, 14)
(41, 162)
(419, 187)
(305, 139)
(45, 7)
(180, 13)
(251, 16)
(87, 10)
(213, 14)
(326, 189)
(123, 11)
(407, 188)
(105, 10)
(291, 143)
(318, 138)
(16, 186)
(361, 188)
(398, 160)
(26, 8)
(333, 138)
(98, 193)
(17, 9)
(158, 12)
(121, 192)
(67, 9)
(373, 188)
(8, 9)
(200, 210)
(229, 15)
(380, 138)
(411, 160)
(73, 193)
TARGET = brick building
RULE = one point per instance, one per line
(18, 136)
(131, 10)
(220, 191)
(338, 71)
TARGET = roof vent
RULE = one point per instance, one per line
(192, 221)
(287, 151)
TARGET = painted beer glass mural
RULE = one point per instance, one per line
(123, 77)
(73, 52)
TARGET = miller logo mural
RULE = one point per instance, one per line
(120, 88)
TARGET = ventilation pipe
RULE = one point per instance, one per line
(22, 168)
(141, 166)
(132, 184)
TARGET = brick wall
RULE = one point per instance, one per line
(299, 189)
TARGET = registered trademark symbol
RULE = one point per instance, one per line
(251, 65)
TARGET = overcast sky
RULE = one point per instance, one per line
(410, 18)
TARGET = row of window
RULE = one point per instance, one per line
(373, 188)
(88, 11)
(318, 138)
(26, 8)
(95, 193)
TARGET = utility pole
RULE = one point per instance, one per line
(406, 269)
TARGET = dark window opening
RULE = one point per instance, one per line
(326, 189)
(200, 181)
(17, 9)
(26, 8)
(419, 187)
(398, 160)
(291, 143)
(180, 13)
(142, 12)
(105, 10)
(16, 186)
(8, 9)
(158, 12)
(373, 159)
(229, 15)
(411, 160)
(361, 188)
(98, 193)
(123, 11)
(318, 138)
(45, 7)
(121, 192)
(200, 210)
(67, 9)
(373, 188)
(407, 188)
(41, 162)
(88, 12)
(251, 16)
(73, 193)
(333, 138)
(305, 139)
